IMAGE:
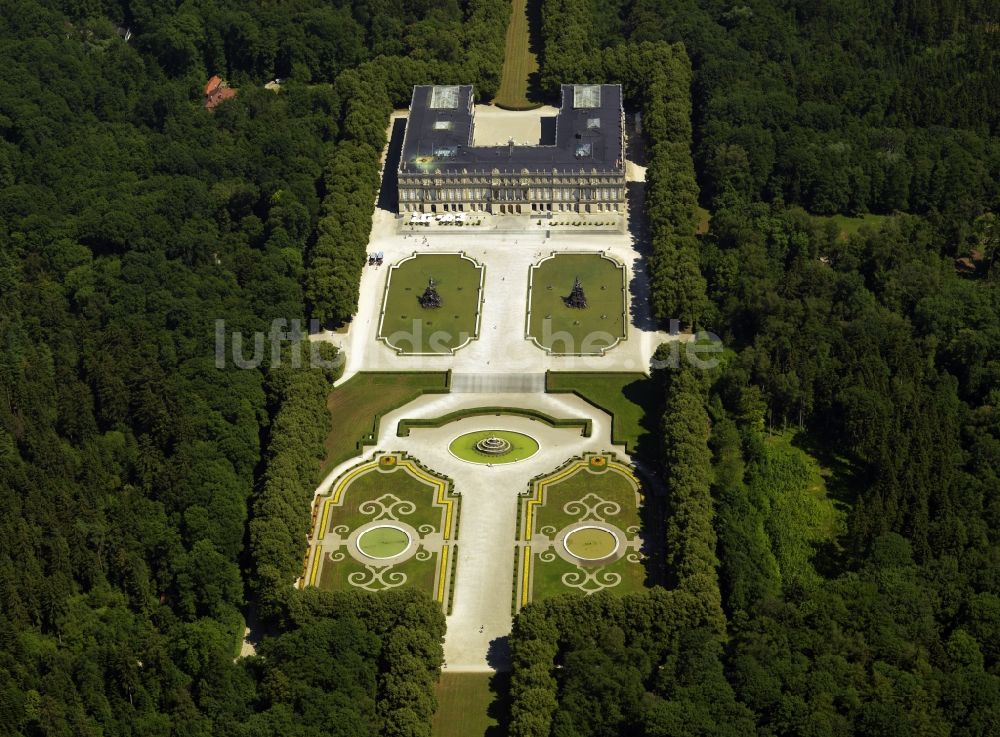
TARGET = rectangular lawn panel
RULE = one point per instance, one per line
(355, 406)
(564, 330)
(633, 399)
(469, 705)
(519, 63)
(409, 328)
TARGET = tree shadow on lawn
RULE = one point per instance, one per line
(648, 394)
(652, 516)
(500, 707)
(535, 46)
(640, 307)
(388, 193)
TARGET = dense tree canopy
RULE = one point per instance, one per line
(833, 498)
(834, 481)
(137, 230)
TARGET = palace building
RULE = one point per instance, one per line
(581, 170)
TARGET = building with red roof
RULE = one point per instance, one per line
(216, 90)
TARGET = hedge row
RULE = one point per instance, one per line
(280, 524)
(352, 181)
(368, 94)
(658, 75)
(690, 539)
(678, 289)
(405, 425)
(410, 626)
(533, 687)
(545, 632)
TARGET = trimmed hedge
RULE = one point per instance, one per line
(404, 427)
(615, 439)
(372, 438)
(280, 525)
(353, 175)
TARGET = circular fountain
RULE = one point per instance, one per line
(493, 446)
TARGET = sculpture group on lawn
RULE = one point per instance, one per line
(576, 299)
(430, 299)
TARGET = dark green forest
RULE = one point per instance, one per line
(877, 610)
(146, 497)
(131, 220)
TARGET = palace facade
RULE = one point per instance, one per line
(581, 170)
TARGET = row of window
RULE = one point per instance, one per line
(603, 194)
(538, 178)
(514, 208)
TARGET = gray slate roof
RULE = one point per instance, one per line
(440, 126)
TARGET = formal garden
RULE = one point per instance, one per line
(431, 304)
(386, 523)
(577, 304)
(581, 531)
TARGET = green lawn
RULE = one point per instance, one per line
(704, 221)
(374, 484)
(519, 63)
(471, 705)
(849, 226)
(634, 399)
(825, 515)
(409, 328)
(566, 330)
(350, 575)
(608, 485)
(355, 404)
(548, 577)
(522, 446)
(383, 542)
(590, 543)
(846, 225)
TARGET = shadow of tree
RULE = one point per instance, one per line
(498, 654)
(500, 707)
(534, 12)
(652, 517)
(647, 393)
(640, 306)
(388, 193)
(831, 557)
